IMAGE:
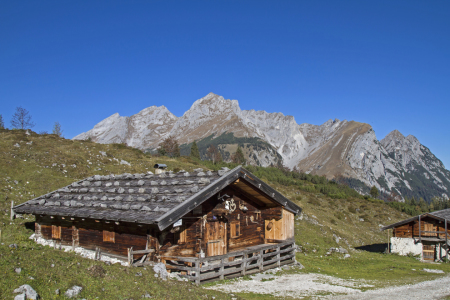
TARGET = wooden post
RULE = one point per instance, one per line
(12, 210)
(221, 270)
(197, 272)
(130, 256)
(244, 264)
(389, 242)
(446, 240)
(278, 257)
(260, 260)
(420, 231)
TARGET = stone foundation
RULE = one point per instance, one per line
(80, 250)
(404, 246)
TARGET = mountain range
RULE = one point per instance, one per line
(345, 150)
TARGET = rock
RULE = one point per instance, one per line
(433, 271)
(146, 296)
(52, 265)
(57, 292)
(28, 291)
(124, 162)
(361, 220)
(20, 297)
(17, 145)
(160, 269)
(73, 291)
(138, 274)
(342, 250)
(347, 256)
(176, 276)
(18, 270)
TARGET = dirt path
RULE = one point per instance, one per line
(328, 287)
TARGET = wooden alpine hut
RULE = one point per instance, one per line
(206, 225)
(426, 235)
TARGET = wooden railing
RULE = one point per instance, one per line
(132, 253)
(234, 264)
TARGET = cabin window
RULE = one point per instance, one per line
(180, 235)
(235, 229)
(56, 232)
(109, 236)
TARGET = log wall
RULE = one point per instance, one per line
(411, 229)
(90, 234)
(248, 220)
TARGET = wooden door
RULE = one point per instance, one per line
(216, 238)
(429, 227)
(428, 252)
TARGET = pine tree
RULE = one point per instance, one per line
(195, 153)
(238, 157)
(2, 123)
(374, 192)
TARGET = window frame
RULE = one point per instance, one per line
(235, 229)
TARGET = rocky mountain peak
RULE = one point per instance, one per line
(335, 148)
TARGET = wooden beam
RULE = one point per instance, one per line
(420, 232)
(251, 198)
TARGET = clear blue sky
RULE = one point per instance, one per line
(386, 63)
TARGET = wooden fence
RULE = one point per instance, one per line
(141, 262)
(240, 263)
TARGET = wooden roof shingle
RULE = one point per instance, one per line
(144, 198)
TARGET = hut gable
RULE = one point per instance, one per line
(148, 198)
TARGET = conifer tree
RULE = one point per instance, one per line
(2, 123)
(374, 192)
(195, 153)
(238, 157)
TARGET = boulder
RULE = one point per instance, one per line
(20, 297)
(28, 291)
(160, 269)
(73, 291)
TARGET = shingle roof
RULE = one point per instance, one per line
(438, 214)
(128, 197)
(142, 198)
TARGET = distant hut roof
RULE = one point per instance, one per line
(441, 215)
(147, 198)
(160, 166)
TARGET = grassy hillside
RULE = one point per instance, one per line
(32, 165)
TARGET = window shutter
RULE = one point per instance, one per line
(181, 235)
(56, 232)
(235, 229)
(108, 236)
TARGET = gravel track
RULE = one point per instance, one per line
(328, 287)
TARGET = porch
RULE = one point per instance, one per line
(248, 261)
